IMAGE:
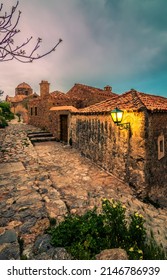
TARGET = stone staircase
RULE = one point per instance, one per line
(41, 136)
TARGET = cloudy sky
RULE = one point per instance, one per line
(122, 43)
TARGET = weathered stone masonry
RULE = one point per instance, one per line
(60, 122)
(138, 156)
(157, 167)
(78, 96)
(39, 109)
(121, 152)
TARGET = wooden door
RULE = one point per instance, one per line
(64, 128)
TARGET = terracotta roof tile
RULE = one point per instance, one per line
(153, 102)
(64, 108)
(81, 92)
(58, 95)
(131, 100)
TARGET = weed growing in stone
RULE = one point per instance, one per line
(25, 143)
(3, 150)
(87, 235)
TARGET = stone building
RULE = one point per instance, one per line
(39, 108)
(82, 118)
(19, 103)
(60, 117)
(137, 155)
(84, 96)
(79, 96)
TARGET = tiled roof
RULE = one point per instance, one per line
(20, 98)
(131, 100)
(17, 98)
(59, 95)
(64, 108)
(80, 91)
(153, 102)
(55, 95)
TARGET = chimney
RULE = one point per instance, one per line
(108, 88)
(44, 88)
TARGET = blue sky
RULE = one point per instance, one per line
(122, 43)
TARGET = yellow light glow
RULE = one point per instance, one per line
(117, 115)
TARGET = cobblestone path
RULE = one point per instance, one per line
(49, 180)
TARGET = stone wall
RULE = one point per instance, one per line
(39, 112)
(157, 166)
(78, 96)
(42, 118)
(121, 152)
(55, 126)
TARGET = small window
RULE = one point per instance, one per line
(31, 111)
(35, 111)
(161, 147)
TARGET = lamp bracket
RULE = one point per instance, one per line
(124, 125)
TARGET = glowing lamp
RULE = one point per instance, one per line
(117, 116)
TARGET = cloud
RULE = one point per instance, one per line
(117, 42)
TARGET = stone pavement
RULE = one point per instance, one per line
(47, 181)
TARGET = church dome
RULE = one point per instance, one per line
(23, 89)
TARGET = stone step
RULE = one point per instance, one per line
(39, 134)
(42, 139)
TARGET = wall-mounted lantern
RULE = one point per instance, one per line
(117, 116)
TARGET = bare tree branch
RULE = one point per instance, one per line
(8, 30)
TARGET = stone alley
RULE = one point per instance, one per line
(48, 180)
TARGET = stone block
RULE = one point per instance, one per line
(112, 254)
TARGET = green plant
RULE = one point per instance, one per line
(52, 221)
(115, 224)
(3, 122)
(23, 257)
(137, 231)
(81, 235)
(25, 143)
(85, 236)
(3, 150)
(5, 111)
(153, 251)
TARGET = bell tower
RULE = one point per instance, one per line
(44, 88)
